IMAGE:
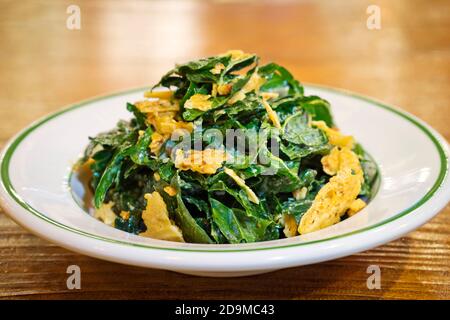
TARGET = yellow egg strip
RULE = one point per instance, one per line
(334, 136)
(199, 101)
(290, 226)
(106, 214)
(203, 161)
(156, 218)
(356, 206)
(217, 68)
(337, 196)
(157, 142)
(241, 183)
(253, 84)
(272, 115)
(331, 202)
(165, 95)
(171, 191)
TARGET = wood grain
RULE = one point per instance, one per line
(44, 66)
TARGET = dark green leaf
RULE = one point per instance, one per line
(139, 116)
(318, 109)
(297, 152)
(296, 208)
(296, 130)
(279, 80)
(192, 232)
(109, 177)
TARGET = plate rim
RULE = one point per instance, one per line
(438, 141)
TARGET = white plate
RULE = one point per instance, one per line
(412, 157)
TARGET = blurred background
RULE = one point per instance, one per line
(122, 44)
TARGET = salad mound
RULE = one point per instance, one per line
(223, 150)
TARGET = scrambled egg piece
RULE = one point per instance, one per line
(217, 68)
(161, 115)
(339, 159)
(224, 89)
(253, 84)
(241, 183)
(272, 115)
(166, 125)
(84, 168)
(203, 161)
(237, 54)
(238, 96)
(214, 90)
(157, 107)
(157, 142)
(156, 218)
(125, 215)
(331, 202)
(331, 162)
(290, 226)
(165, 95)
(334, 136)
(199, 101)
(356, 206)
(105, 214)
(171, 191)
(156, 176)
(338, 195)
(300, 194)
(221, 89)
(269, 95)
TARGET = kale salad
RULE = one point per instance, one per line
(224, 150)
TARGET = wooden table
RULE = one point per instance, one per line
(44, 66)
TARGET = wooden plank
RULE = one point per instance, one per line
(44, 66)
